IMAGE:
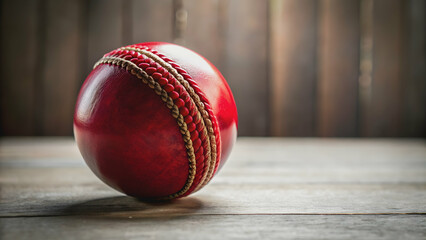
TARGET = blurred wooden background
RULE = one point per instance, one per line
(296, 67)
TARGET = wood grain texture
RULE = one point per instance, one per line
(338, 72)
(152, 21)
(246, 64)
(299, 176)
(383, 112)
(292, 65)
(61, 69)
(19, 26)
(293, 47)
(216, 227)
(271, 188)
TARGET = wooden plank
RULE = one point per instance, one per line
(105, 29)
(215, 227)
(34, 149)
(246, 68)
(382, 114)
(338, 72)
(61, 70)
(366, 62)
(127, 12)
(283, 152)
(337, 188)
(204, 31)
(414, 84)
(293, 50)
(152, 21)
(19, 55)
(59, 193)
(299, 176)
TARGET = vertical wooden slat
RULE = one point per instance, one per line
(152, 21)
(83, 51)
(19, 20)
(382, 114)
(414, 73)
(61, 73)
(246, 63)
(293, 66)
(338, 72)
(180, 17)
(105, 31)
(203, 30)
(127, 22)
(366, 62)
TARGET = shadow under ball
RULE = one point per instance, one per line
(155, 120)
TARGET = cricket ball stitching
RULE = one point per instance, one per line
(199, 99)
(142, 64)
(149, 80)
(208, 152)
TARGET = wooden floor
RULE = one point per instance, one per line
(270, 189)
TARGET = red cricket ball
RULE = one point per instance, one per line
(155, 120)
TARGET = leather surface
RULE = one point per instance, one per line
(127, 135)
